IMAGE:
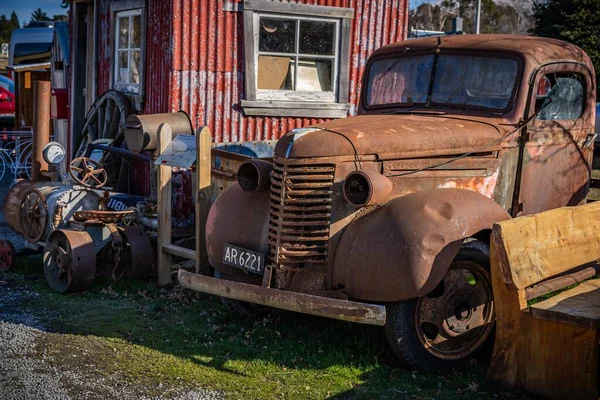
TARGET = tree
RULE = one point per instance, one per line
(574, 21)
(5, 29)
(14, 21)
(65, 3)
(39, 15)
(60, 17)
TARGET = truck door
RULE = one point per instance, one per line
(557, 144)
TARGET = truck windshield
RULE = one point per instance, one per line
(459, 81)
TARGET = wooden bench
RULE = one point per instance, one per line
(549, 347)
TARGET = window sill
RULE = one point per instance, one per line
(295, 109)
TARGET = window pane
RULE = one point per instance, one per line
(277, 35)
(314, 75)
(317, 37)
(474, 80)
(275, 73)
(566, 92)
(399, 80)
(123, 73)
(123, 32)
(134, 74)
(136, 22)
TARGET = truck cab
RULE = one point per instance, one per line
(385, 217)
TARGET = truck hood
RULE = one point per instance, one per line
(390, 136)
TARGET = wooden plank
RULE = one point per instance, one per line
(540, 246)
(301, 9)
(558, 361)
(508, 304)
(165, 136)
(179, 251)
(578, 306)
(203, 175)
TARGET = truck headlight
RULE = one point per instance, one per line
(255, 175)
(365, 188)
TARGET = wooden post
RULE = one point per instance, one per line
(203, 176)
(164, 209)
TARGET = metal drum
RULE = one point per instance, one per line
(47, 208)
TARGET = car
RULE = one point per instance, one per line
(7, 99)
(385, 217)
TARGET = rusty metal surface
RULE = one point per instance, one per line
(34, 214)
(138, 256)
(344, 310)
(141, 131)
(102, 216)
(69, 260)
(416, 237)
(40, 128)
(12, 204)
(7, 254)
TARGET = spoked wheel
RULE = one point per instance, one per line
(450, 324)
(105, 120)
(88, 173)
(69, 261)
(33, 216)
(7, 252)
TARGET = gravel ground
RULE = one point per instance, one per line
(27, 372)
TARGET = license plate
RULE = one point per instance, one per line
(239, 257)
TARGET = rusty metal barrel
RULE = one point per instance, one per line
(141, 131)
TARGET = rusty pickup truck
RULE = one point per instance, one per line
(384, 218)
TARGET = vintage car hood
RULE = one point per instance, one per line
(390, 136)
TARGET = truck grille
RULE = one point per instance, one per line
(301, 197)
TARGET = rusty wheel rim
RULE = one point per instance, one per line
(69, 261)
(88, 173)
(456, 318)
(33, 216)
(7, 251)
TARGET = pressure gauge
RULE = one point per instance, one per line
(54, 153)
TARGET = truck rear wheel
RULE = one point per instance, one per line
(452, 323)
(239, 307)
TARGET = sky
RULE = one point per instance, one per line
(24, 8)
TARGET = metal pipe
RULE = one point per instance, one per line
(558, 283)
(41, 128)
(477, 16)
(364, 313)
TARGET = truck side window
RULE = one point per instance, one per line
(567, 94)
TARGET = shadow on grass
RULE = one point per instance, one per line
(178, 337)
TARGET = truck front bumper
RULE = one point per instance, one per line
(364, 313)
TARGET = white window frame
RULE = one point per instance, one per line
(293, 103)
(127, 86)
(297, 95)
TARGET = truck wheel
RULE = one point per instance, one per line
(452, 323)
(239, 307)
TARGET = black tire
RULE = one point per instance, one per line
(240, 307)
(402, 331)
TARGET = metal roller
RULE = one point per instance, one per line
(12, 204)
(69, 260)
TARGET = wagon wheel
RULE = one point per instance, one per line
(88, 173)
(7, 252)
(33, 216)
(69, 260)
(105, 120)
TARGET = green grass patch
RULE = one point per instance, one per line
(172, 337)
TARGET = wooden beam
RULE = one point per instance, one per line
(203, 175)
(165, 136)
(179, 251)
(544, 245)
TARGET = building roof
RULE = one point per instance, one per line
(534, 50)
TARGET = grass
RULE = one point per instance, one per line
(169, 337)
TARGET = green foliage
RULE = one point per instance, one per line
(7, 25)
(39, 15)
(574, 21)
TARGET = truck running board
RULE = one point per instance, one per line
(364, 313)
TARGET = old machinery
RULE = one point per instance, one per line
(7, 252)
(54, 153)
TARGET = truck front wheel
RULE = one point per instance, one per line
(452, 323)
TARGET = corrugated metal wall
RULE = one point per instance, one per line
(195, 53)
(208, 54)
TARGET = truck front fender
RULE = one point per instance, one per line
(404, 248)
